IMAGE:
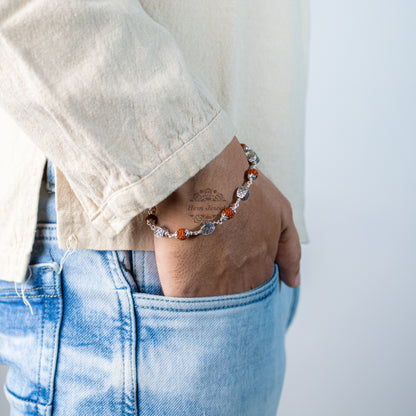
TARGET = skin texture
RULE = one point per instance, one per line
(240, 254)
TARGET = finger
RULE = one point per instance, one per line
(288, 255)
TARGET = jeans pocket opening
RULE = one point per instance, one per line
(205, 303)
(219, 354)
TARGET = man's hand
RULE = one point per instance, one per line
(240, 254)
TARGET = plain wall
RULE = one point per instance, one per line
(351, 348)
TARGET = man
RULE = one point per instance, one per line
(105, 94)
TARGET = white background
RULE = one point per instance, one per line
(351, 349)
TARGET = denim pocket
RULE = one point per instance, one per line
(29, 342)
(202, 303)
(217, 355)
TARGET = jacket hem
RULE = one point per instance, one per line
(16, 271)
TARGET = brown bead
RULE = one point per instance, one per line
(152, 218)
(253, 172)
(182, 234)
(243, 146)
(228, 212)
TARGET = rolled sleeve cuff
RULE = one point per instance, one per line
(123, 205)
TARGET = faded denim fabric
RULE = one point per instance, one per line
(103, 340)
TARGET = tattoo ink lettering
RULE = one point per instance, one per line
(205, 205)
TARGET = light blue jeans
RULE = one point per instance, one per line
(104, 340)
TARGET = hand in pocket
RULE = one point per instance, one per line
(240, 254)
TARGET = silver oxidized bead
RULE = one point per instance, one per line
(160, 231)
(246, 148)
(243, 193)
(252, 157)
(208, 228)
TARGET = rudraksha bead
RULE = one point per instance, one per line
(228, 212)
(152, 219)
(252, 173)
(182, 234)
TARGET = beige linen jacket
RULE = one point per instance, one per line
(130, 99)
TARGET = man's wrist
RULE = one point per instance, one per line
(204, 195)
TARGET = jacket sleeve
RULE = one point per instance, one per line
(103, 90)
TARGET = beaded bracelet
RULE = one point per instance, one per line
(242, 193)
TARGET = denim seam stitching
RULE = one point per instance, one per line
(57, 327)
(209, 309)
(50, 375)
(133, 365)
(41, 353)
(111, 261)
(44, 266)
(35, 288)
(144, 259)
(30, 296)
(121, 276)
(20, 399)
(131, 310)
(194, 301)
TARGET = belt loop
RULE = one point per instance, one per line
(50, 176)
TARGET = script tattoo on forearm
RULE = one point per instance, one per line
(205, 205)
